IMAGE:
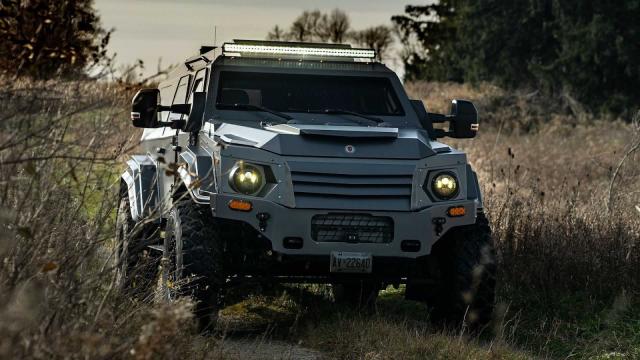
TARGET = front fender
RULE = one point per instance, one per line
(140, 180)
(197, 173)
(473, 188)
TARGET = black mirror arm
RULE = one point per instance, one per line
(178, 109)
(439, 119)
(175, 124)
(184, 109)
(440, 133)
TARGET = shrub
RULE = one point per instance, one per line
(45, 39)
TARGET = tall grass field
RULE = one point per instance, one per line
(561, 188)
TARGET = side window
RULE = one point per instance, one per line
(391, 105)
(166, 94)
(198, 83)
(180, 97)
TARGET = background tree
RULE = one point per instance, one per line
(315, 26)
(305, 26)
(44, 39)
(277, 34)
(586, 49)
(428, 34)
(378, 38)
(335, 26)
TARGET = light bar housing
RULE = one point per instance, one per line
(295, 50)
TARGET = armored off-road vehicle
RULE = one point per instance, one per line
(302, 162)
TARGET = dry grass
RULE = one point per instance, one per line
(60, 144)
(569, 268)
(566, 260)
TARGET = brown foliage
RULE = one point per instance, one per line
(59, 146)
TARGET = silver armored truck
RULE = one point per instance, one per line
(301, 162)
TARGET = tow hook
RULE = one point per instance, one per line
(262, 218)
(438, 222)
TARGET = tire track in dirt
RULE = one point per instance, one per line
(258, 348)
(249, 337)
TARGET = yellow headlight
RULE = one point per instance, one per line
(445, 186)
(246, 179)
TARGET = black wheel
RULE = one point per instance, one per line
(465, 292)
(192, 261)
(134, 268)
(356, 295)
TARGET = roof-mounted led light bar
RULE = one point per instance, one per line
(298, 50)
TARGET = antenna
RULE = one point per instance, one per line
(215, 35)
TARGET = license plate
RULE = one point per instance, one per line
(350, 262)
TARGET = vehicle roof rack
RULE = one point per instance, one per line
(201, 56)
(206, 48)
(296, 50)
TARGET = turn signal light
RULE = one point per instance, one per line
(456, 211)
(240, 205)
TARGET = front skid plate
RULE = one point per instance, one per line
(317, 268)
(286, 222)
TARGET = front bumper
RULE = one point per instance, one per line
(287, 222)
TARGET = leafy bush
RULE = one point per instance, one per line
(45, 39)
(587, 49)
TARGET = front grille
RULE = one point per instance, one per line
(355, 228)
(352, 185)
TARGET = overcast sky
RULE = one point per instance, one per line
(173, 30)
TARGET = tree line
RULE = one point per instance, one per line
(334, 27)
(588, 49)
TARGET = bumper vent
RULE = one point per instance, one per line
(353, 228)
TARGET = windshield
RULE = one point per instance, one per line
(309, 93)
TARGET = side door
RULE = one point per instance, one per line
(198, 84)
(200, 157)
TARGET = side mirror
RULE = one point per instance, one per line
(196, 112)
(144, 109)
(463, 122)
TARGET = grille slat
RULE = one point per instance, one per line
(352, 186)
(380, 168)
(351, 179)
(346, 190)
(354, 228)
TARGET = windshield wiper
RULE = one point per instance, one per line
(251, 107)
(347, 112)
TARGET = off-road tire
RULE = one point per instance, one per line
(134, 267)
(465, 292)
(360, 295)
(192, 261)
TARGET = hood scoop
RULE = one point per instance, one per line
(335, 131)
(332, 141)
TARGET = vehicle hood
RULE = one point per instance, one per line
(333, 141)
